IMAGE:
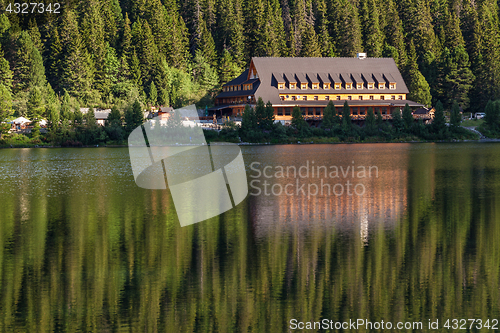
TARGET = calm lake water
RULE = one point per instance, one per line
(82, 248)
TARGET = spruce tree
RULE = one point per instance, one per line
(417, 85)
(328, 121)
(397, 122)
(36, 109)
(455, 115)
(370, 123)
(77, 76)
(310, 43)
(5, 108)
(153, 94)
(407, 118)
(439, 121)
(268, 119)
(372, 36)
(346, 119)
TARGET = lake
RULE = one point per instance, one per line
(414, 238)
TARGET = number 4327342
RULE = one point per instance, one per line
(33, 8)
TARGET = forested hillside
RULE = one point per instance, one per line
(111, 52)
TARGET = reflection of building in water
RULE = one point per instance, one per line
(384, 201)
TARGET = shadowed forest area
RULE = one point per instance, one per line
(109, 53)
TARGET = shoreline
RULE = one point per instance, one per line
(261, 144)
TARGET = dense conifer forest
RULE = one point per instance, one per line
(166, 52)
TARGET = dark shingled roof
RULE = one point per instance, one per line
(368, 77)
(266, 66)
(324, 77)
(357, 78)
(313, 77)
(301, 77)
(346, 77)
(279, 77)
(379, 77)
(290, 77)
(389, 78)
(239, 80)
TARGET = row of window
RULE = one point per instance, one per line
(337, 86)
(327, 98)
(237, 87)
(319, 111)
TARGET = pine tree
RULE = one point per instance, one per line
(153, 94)
(77, 76)
(397, 122)
(328, 121)
(455, 115)
(439, 121)
(5, 108)
(310, 43)
(205, 75)
(93, 34)
(29, 70)
(134, 116)
(370, 123)
(54, 57)
(126, 43)
(36, 106)
(322, 23)
(407, 118)
(5, 74)
(346, 119)
(372, 35)
(298, 121)
(53, 107)
(114, 117)
(228, 69)
(346, 28)
(395, 33)
(268, 119)
(455, 78)
(417, 85)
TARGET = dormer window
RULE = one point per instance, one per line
(315, 86)
(348, 85)
(303, 86)
(381, 85)
(281, 86)
(359, 86)
(392, 86)
(370, 86)
(292, 86)
(337, 86)
(326, 85)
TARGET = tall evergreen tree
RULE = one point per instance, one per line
(5, 108)
(372, 35)
(407, 118)
(439, 121)
(346, 28)
(370, 123)
(77, 75)
(417, 85)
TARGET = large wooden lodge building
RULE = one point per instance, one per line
(311, 83)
